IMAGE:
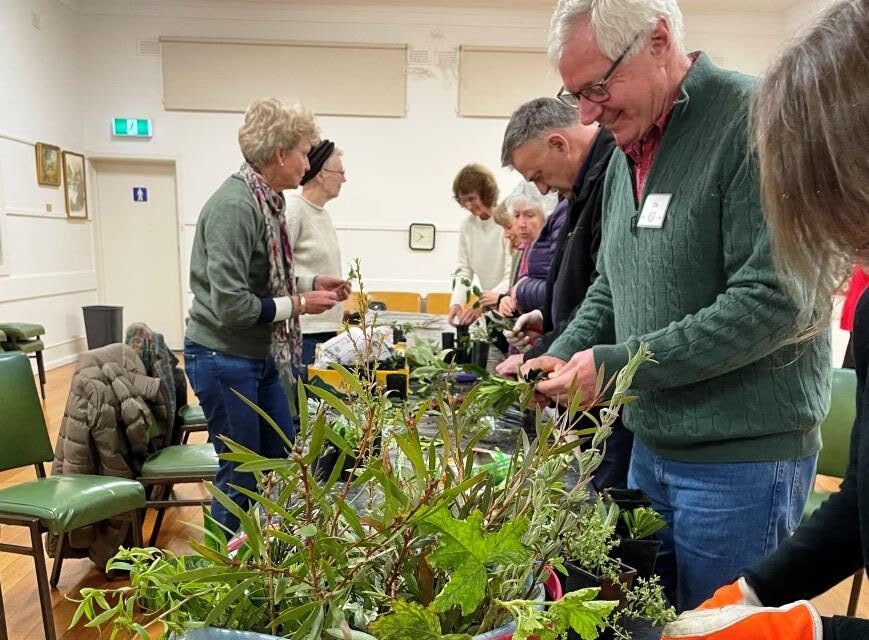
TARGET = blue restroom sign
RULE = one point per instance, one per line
(140, 194)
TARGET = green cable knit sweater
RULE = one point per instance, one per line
(703, 292)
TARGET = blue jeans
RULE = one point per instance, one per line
(213, 375)
(722, 517)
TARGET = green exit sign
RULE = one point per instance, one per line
(135, 127)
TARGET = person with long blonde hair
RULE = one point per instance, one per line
(811, 117)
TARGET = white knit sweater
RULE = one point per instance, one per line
(484, 253)
(315, 252)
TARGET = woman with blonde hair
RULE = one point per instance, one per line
(243, 334)
(812, 129)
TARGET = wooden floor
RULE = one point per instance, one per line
(17, 572)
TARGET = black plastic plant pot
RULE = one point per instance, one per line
(396, 385)
(578, 578)
(480, 354)
(627, 499)
(323, 466)
(448, 340)
(639, 554)
(463, 344)
(397, 335)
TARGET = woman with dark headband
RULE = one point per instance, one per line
(314, 241)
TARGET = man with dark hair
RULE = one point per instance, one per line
(549, 146)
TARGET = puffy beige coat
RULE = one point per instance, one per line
(113, 412)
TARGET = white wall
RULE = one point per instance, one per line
(48, 269)
(399, 170)
(803, 13)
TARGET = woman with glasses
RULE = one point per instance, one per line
(314, 241)
(537, 232)
(811, 118)
(483, 251)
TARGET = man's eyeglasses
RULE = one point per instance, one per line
(596, 92)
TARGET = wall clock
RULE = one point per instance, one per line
(421, 236)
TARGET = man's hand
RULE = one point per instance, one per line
(796, 621)
(341, 287)
(578, 372)
(319, 301)
(526, 330)
(510, 367)
(507, 307)
(489, 300)
(548, 365)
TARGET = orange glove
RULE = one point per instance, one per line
(739, 592)
(795, 621)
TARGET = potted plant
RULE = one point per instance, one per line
(415, 539)
(637, 546)
(594, 562)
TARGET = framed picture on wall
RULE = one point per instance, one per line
(48, 164)
(74, 185)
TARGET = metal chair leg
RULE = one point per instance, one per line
(137, 527)
(40, 366)
(159, 491)
(42, 581)
(59, 551)
(4, 634)
(855, 593)
(158, 522)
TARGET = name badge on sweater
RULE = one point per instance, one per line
(654, 210)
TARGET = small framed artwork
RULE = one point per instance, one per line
(421, 236)
(48, 164)
(74, 185)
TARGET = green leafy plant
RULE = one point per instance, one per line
(416, 538)
(642, 522)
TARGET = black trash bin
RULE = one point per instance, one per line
(103, 324)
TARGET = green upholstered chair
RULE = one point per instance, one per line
(176, 464)
(192, 420)
(26, 337)
(55, 504)
(836, 445)
(2, 339)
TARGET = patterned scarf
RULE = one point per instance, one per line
(287, 335)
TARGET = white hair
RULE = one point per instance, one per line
(614, 23)
(526, 194)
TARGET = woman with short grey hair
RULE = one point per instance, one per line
(243, 334)
(538, 234)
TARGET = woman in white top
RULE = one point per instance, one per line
(313, 238)
(483, 251)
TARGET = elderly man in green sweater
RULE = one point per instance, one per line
(726, 423)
